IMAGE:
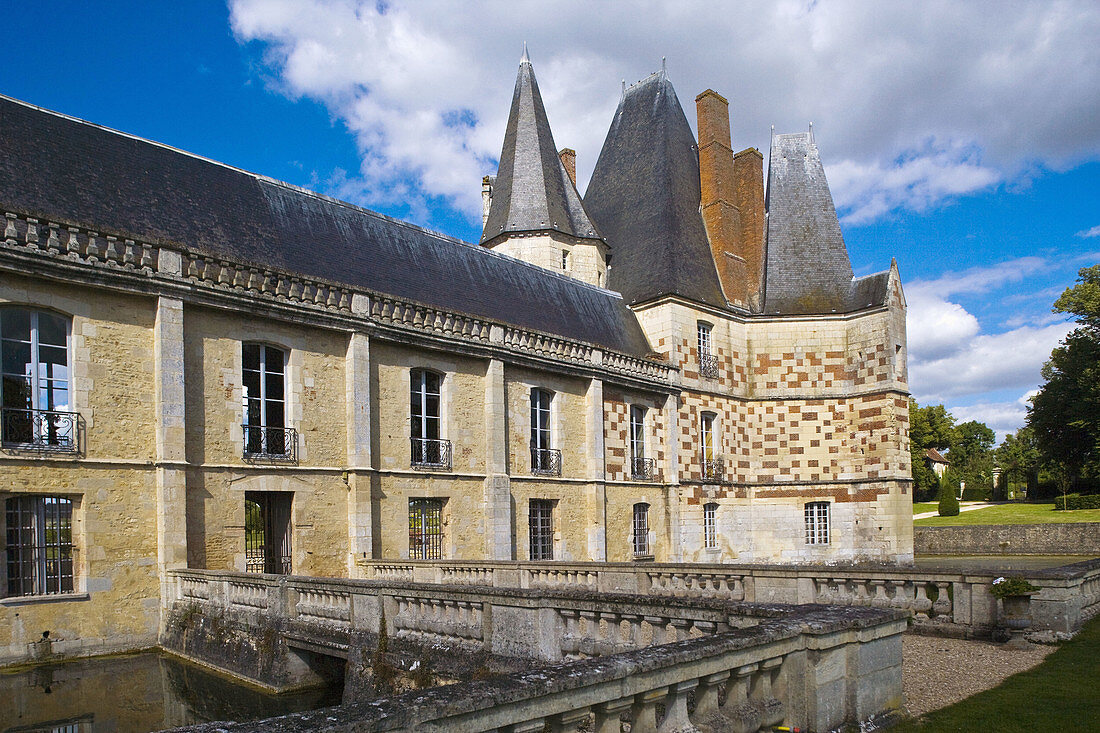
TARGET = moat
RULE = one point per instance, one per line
(136, 693)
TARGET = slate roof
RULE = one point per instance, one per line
(644, 198)
(57, 167)
(532, 191)
(807, 269)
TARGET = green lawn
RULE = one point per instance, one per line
(1057, 695)
(925, 506)
(1012, 514)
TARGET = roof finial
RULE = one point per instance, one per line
(664, 69)
(811, 132)
(525, 59)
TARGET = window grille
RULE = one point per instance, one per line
(39, 545)
(542, 529)
(428, 450)
(641, 468)
(34, 382)
(425, 529)
(708, 362)
(641, 530)
(264, 403)
(267, 532)
(710, 526)
(817, 523)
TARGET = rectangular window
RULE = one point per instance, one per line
(34, 381)
(425, 529)
(267, 532)
(817, 523)
(641, 468)
(711, 462)
(428, 450)
(565, 260)
(708, 362)
(39, 545)
(710, 526)
(542, 529)
(544, 458)
(264, 402)
(641, 530)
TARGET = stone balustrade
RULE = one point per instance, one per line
(812, 667)
(939, 599)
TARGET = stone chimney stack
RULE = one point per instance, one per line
(732, 203)
(569, 160)
(486, 199)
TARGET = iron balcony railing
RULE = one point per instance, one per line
(708, 366)
(643, 469)
(431, 453)
(712, 469)
(270, 443)
(40, 430)
(259, 560)
(546, 461)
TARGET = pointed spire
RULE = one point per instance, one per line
(532, 191)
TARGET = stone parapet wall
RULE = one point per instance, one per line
(1082, 538)
(940, 600)
(746, 666)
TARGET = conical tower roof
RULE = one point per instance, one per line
(644, 196)
(808, 270)
(532, 191)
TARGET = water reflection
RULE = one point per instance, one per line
(135, 693)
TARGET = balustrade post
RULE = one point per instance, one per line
(942, 606)
(921, 604)
(586, 644)
(737, 691)
(683, 628)
(609, 715)
(643, 712)
(676, 718)
(706, 695)
(880, 600)
(568, 721)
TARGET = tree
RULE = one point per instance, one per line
(971, 455)
(1018, 458)
(929, 427)
(1065, 414)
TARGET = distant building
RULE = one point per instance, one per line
(935, 460)
(205, 367)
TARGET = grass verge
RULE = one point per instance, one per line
(1012, 514)
(925, 506)
(1057, 695)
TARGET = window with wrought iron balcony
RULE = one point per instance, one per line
(711, 462)
(708, 362)
(429, 451)
(545, 461)
(266, 437)
(34, 389)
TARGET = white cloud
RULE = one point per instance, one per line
(1009, 360)
(1090, 233)
(912, 103)
(1002, 417)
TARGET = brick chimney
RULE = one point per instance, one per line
(569, 160)
(732, 203)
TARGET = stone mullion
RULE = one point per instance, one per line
(596, 473)
(498, 485)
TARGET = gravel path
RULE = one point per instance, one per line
(937, 672)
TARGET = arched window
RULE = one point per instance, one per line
(545, 459)
(35, 386)
(641, 530)
(264, 402)
(428, 450)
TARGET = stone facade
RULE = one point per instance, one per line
(806, 409)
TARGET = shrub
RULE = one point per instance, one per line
(975, 494)
(1076, 501)
(949, 504)
(1015, 586)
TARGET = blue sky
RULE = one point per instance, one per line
(963, 142)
